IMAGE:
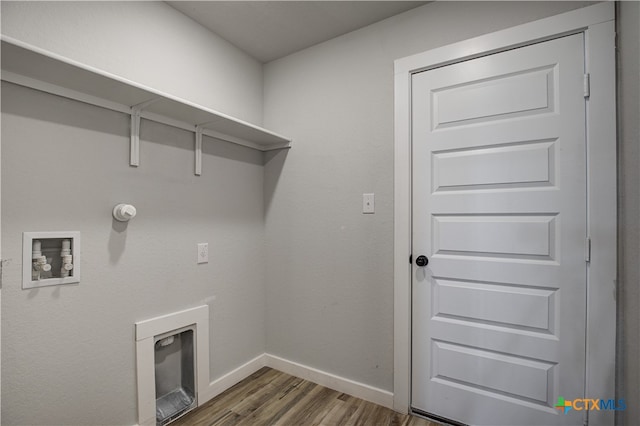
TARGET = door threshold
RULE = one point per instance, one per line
(437, 419)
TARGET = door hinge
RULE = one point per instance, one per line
(587, 250)
(586, 85)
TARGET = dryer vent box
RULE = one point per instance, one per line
(50, 258)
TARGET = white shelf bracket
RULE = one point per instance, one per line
(198, 147)
(198, 151)
(134, 152)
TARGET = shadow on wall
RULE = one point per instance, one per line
(185, 139)
(230, 151)
(273, 165)
(117, 240)
(52, 109)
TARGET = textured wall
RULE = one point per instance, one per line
(68, 353)
(65, 165)
(147, 42)
(629, 210)
(329, 268)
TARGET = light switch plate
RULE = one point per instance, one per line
(368, 203)
(203, 252)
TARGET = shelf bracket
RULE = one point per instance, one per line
(134, 150)
(198, 151)
(198, 146)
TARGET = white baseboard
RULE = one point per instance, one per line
(340, 384)
(225, 382)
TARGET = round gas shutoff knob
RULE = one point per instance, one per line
(124, 212)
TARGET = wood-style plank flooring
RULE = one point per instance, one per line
(270, 397)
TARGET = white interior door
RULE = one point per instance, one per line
(499, 210)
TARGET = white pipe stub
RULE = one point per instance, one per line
(124, 212)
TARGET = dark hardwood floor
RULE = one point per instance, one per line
(270, 397)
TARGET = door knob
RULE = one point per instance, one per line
(422, 260)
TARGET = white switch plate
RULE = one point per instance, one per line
(203, 252)
(368, 203)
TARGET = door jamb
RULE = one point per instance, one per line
(597, 23)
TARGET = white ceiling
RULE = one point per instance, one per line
(269, 30)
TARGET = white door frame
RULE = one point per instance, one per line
(597, 23)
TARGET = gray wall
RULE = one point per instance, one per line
(329, 268)
(629, 210)
(147, 42)
(68, 352)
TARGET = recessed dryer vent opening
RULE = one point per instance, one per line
(172, 354)
(174, 374)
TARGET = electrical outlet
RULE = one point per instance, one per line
(203, 252)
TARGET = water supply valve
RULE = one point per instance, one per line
(67, 258)
(50, 258)
(40, 265)
(39, 261)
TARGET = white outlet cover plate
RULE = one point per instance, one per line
(368, 203)
(203, 252)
